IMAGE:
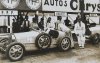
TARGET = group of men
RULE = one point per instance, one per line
(18, 27)
(24, 25)
(79, 27)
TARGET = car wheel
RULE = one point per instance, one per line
(43, 41)
(15, 51)
(64, 44)
(96, 38)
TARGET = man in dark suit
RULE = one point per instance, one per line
(26, 24)
(67, 22)
(41, 24)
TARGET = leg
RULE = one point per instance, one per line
(83, 41)
(79, 40)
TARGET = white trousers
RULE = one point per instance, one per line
(81, 40)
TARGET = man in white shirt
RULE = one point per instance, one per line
(49, 24)
(34, 25)
(80, 32)
(61, 27)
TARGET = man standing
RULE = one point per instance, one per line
(67, 22)
(14, 26)
(34, 25)
(26, 24)
(48, 24)
(80, 32)
(36, 16)
(87, 26)
(41, 24)
(60, 26)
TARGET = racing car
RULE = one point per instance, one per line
(95, 34)
(14, 45)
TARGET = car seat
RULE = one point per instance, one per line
(54, 33)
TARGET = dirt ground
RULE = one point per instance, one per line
(91, 54)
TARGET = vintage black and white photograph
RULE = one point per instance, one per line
(49, 31)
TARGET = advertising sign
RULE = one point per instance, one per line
(64, 14)
(20, 4)
(33, 4)
(10, 4)
(60, 5)
(8, 12)
(92, 6)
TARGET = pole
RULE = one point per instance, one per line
(82, 9)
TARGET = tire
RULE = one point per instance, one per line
(43, 41)
(96, 38)
(15, 51)
(64, 44)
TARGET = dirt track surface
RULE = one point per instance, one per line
(91, 54)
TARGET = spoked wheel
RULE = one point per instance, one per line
(15, 51)
(43, 41)
(64, 44)
(96, 38)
